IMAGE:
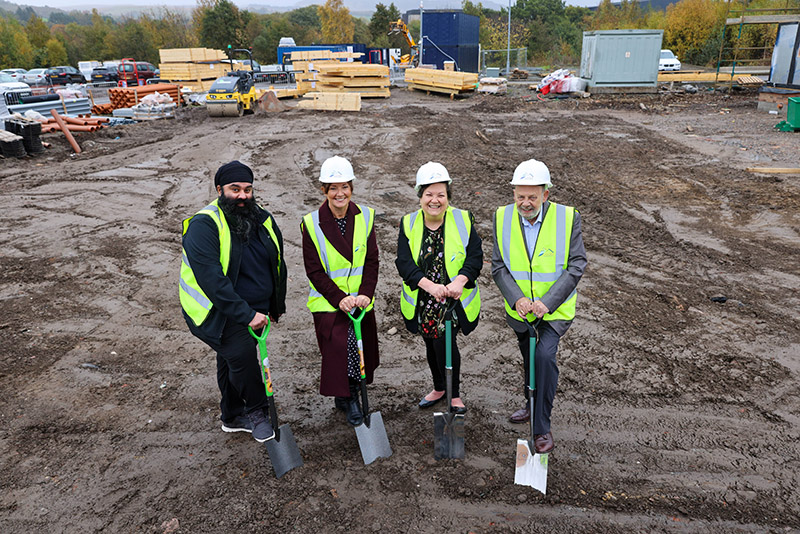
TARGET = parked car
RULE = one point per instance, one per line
(668, 61)
(8, 86)
(17, 74)
(135, 72)
(105, 74)
(256, 66)
(35, 77)
(64, 74)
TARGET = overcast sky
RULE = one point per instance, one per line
(88, 4)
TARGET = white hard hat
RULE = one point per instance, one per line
(431, 173)
(531, 172)
(336, 169)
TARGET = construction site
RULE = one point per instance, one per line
(677, 406)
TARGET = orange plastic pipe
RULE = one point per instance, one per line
(67, 133)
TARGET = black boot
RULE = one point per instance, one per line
(354, 415)
(341, 403)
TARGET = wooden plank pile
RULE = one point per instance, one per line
(441, 81)
(331, 101)
(126, 97)
(196, 68)
(325, 72)
(495, 86)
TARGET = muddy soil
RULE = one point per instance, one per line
(674, 412)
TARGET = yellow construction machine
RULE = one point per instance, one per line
(235, 93)
(406, 60)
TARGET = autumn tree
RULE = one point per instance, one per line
(15, 49)
(691, 25)
(55, 52)
(337, 24)
(379, 26)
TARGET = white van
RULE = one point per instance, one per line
(86, 68)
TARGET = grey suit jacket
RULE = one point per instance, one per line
(559, 291)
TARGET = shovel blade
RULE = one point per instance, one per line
(283, 452)
(531, 467)
(448, 435)
(372, 438)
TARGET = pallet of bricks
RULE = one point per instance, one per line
(441, 81)
(326, 72)
(196, 68)
(127, 97)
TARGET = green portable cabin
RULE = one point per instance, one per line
(624, 61)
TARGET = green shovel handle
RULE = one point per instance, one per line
(357, 315)
(263, 337)
(263, 358)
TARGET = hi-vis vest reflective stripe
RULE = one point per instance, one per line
(457, 229)
(535, 276)
(346, 275)
(193, 300)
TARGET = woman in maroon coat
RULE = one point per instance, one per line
(340, 254)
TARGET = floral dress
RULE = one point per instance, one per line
(430, 312)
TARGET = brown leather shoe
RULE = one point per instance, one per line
(543, 443)
(521, 416)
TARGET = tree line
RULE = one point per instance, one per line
(550, 30)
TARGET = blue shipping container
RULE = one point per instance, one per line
(466, 57)
(451, 28)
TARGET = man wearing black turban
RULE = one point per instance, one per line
(233, 275)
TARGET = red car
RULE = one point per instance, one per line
(133, 72)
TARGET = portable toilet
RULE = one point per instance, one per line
(621, 61)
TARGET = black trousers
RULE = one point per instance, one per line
(436, 352)
(239, 373)
(546, 372)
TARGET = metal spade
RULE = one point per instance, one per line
(448, 427)
(531, 467)
(371, 434)
(282, 449)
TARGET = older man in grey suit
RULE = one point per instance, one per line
(537, 262)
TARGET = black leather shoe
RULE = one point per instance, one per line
(460, 410)
(428, 403)
(354, 415)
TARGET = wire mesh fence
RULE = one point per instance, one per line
(518, 58)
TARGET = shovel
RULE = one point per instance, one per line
(371, 434)
(282, 449)
(448, 427)
(531, 467)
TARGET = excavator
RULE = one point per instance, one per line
(234, 94)
(406, 60)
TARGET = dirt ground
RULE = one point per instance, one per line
(674, 412)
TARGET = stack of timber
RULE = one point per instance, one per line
(441, 81)
(307, 66)
(331, 101)
(495, 86)
(364, 79)
(127, 97)
(196, 68)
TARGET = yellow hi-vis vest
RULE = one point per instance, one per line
(457, 229)
(346, 275)
(193, 300)
(535, 276)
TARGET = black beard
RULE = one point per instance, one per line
(241, 219)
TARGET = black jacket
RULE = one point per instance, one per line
(412, 274)
(201, 243)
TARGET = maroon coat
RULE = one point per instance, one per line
(331, 327)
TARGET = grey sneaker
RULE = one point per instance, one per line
(241, 423)
(262, 430)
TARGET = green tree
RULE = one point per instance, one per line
(361, 33)
(265, 46)
(15, 49)
(690, 24)
(37, 31)
(55, 53)
(337, 24)
(222, 25)
(131, 39)
(96, 43)
(379, 26)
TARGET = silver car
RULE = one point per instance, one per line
(35, 77)
(17, 74)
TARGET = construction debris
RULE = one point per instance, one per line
(441, 81)
(495, 86)
(331, 101)
(519, 74)
(127, 97)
